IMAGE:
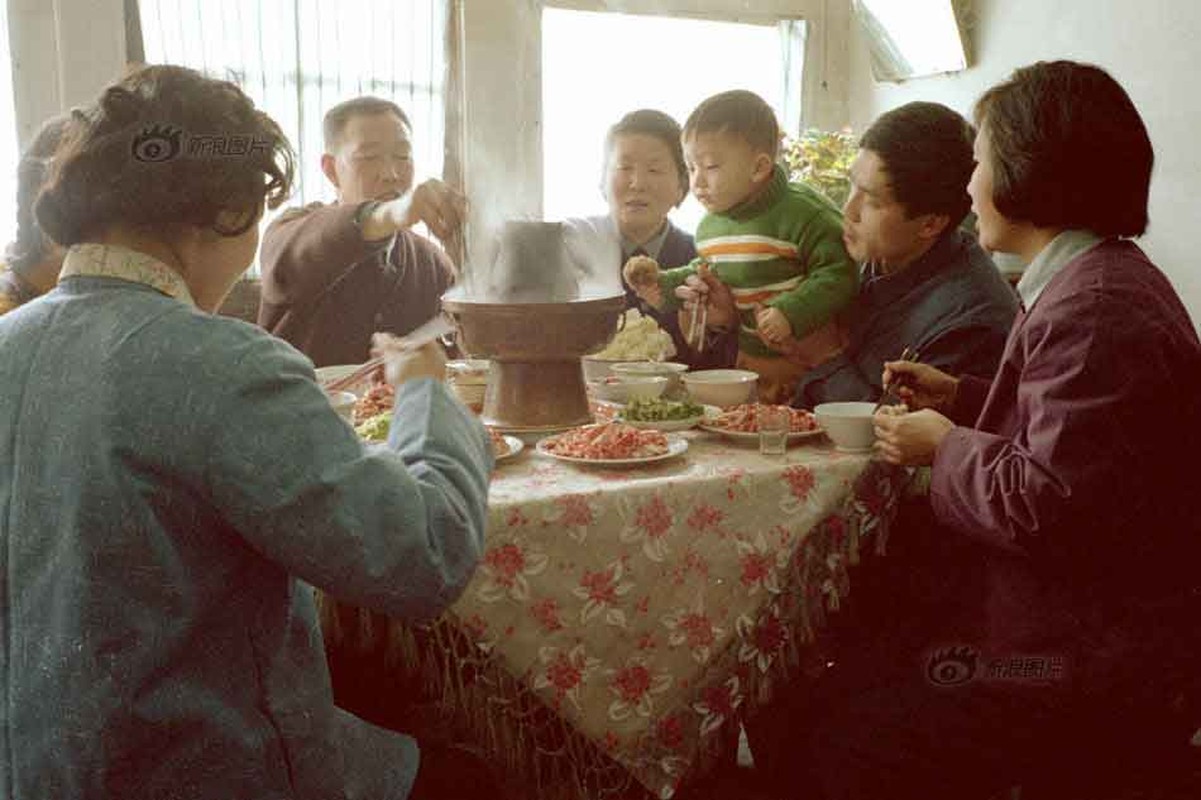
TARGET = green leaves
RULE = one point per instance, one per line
(822, 159)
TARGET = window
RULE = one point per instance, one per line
(297, 58)
(596, 66)
(9, 151)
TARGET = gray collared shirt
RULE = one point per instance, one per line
(1050, 260)
(651, 247)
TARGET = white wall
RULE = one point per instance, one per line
(64, 52)
(1150, 46)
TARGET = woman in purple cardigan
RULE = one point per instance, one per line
(1065, 487)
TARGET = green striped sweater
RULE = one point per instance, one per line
(781, 249)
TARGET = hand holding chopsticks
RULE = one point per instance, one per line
(696, 335)
(918, 385)
(389, 351)
(893, 381)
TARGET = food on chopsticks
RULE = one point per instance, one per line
(745, 419)
(660, 410)
(607, 440)
(640, 339)
(374, 401)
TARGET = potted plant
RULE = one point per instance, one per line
(822, 159)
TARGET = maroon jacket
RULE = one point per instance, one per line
(326, 289)
(1079, 475)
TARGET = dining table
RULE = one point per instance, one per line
(624, 618)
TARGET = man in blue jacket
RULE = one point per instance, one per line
(924, 283)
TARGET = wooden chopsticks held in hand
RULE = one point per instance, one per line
(696, 338)
(350, 379)
(430, 330)
(908, 354)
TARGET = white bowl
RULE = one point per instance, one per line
(672, 370)
(628, 387)
(721, 387)
(597, 368)
(343, 403)
(849, 425)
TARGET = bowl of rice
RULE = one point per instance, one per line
(639, 338)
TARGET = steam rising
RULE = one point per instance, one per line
(545, 262)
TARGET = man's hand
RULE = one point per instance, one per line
(774, 328)
(910, 439)
(440, 207)
(705, 287)
(403, 362)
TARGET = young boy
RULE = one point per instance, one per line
(777, 245)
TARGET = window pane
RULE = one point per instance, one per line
(298, 58)
(596, 66)
(9, 152)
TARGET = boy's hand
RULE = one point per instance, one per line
(642, 274)
(773, 326)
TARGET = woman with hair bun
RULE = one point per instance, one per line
(169, 477)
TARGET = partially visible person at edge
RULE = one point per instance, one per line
(1060, 487)
(644, 178)
(776, 245)
(924, 283)
(161, 642)
(335, 274)
(32, 261)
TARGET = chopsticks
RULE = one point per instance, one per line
(694, 334)
(908, 354)
(430, 330)
(350, 379)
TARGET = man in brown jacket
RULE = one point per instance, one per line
(335, 274)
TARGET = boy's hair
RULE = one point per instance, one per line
(927, 152)
(162, 147)
(741, 113)
(29, 248)
(1068, 149)
(336, 118)
(656, 124)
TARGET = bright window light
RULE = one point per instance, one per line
(597, 66)
(9, 151)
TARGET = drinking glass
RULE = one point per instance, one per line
(773, 429)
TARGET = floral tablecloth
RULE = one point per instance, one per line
(646, 606)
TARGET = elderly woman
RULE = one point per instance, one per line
(32, 260)
(1061, 490)
(644, 178)
(170, 476)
